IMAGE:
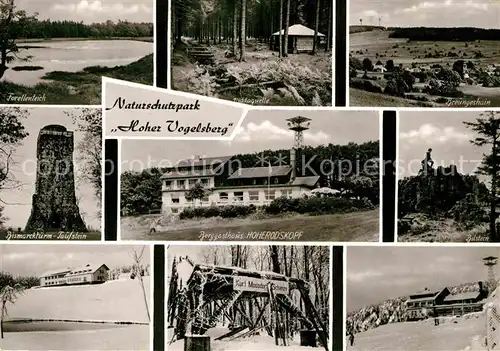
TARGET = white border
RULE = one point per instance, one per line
(381, 172)
(396, 174)
(344, 296)
(169, 44)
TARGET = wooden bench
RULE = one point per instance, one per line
(202, 54)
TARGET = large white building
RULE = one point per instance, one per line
(87, 274)
(228, 184)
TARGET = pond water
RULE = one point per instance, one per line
(73, 56)
(29, 326)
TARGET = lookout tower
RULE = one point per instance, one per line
(491, 262)
(298, 125)
(54, 206)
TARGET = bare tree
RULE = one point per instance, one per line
(138, 270)
(8, 294)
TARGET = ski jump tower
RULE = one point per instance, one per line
(215, 293)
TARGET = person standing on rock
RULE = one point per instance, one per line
(428, 160)
(154, 224)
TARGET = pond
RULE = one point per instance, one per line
(45, 326)
(73, 56)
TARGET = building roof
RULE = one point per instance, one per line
(306, 181)
(300, 31)
(56, 271)
(201, 161)
(261, 172)
(89, 268)
(189, 174)
(463, 296)
(430, 298)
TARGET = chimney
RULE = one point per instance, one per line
(293, 164)
(481, 287)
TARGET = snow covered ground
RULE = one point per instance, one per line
(451, 335)
(258, 342)
(116, 301)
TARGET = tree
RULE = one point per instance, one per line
(89, 122)
(458, 66)
(280, 29)
(13, 24)
(138, 270)
(315, 43)
(389, 65)
(235, 27)
(487, 126)
(243, 29)
(367, 64)
(8, 294)
(196, 193)
(287, 25)
(12, 132)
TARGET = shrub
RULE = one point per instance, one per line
(318, 205)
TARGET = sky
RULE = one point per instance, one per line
(426, 13)
(35, 260)
(17, 207)
(443, 132)
(261, 130)
(90, 11)
(375, 274)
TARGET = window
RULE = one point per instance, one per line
(276, 180)
(254, 181)
(254, 195)
(205, 199)
(167, 184)
(175, 210)
(175, 200)
(270, 194)
(223, 196)
(238, 195)
(286, 193)
(204, 182)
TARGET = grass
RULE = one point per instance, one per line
(356, 226)
(359, 97)
(83, 87)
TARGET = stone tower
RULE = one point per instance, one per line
(54, 205)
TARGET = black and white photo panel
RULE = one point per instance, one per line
(285, 175)
(448, 169)
(433, 53)
(415, 298)
(76, 297)
(248, 297)
(256, 53)
(56, 52)
(50, 173)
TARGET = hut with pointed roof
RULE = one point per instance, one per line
(300, 39)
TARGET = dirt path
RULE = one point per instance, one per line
(356, 226)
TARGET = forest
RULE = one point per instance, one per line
(47, 29)
(310, 264)
(141, 191)
(446, 34)
(227, 49)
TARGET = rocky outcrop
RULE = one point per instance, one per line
(437, 190)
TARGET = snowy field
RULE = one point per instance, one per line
(258, 342)
(421, 336)
(116, 300)
(127, 338)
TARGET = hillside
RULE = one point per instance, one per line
(361, 28)
(389, 311)
(446, 34)
(116, 300)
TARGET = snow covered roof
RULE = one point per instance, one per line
(89, 268)
(56, 271)
(300, 31)
(463, 296)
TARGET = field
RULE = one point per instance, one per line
(355, 226)
(261, 79)
(376, 45)
(453, 335)
(106, 302)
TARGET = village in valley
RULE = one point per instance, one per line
(427, 63)
(271, 52)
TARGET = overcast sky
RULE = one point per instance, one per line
(18, 200)
(375, 274)
(34, 260)
(90, 11)
(261, 130)
(427, 13)
(443, 132)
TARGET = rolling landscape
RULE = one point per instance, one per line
(424, 67)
